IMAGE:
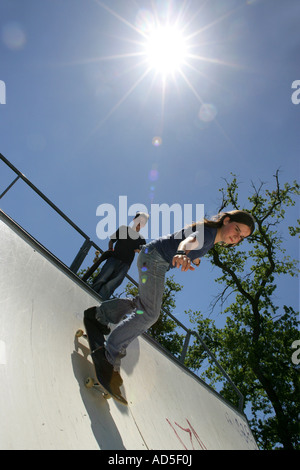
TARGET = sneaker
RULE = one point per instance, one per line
(109, 375)
(90, 314)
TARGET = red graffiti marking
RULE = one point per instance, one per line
(191, 432)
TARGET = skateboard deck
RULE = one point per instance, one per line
(96, 340)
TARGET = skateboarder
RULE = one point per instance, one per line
(127, 242)
(155, 259)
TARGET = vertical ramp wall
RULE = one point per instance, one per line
(43, 401)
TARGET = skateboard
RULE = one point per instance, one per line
(96, 340)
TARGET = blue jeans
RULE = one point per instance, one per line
(143, 310)
(110, 277)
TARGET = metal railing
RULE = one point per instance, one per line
(83, 252)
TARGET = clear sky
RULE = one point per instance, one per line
(93, 112)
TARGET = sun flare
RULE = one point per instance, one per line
(166, 49)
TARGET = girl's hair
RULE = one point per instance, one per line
(239, 216)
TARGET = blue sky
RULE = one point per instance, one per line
(82, 110)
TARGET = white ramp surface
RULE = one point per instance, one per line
(43, 401)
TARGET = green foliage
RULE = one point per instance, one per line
(254, 346)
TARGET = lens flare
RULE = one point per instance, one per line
(207, 112)
(153, 175)
(145, 20)
(156, 141)
(13, 36)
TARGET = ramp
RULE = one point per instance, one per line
(43, 401)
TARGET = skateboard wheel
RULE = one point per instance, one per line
(89, 383)
(79, 333)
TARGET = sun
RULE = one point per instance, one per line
(166, 49)
(166, 45)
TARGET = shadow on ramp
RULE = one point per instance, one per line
(98, 409)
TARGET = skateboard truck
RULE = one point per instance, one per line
(91, 383)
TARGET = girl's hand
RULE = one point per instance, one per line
(183, 261)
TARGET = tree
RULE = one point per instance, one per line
(255, 345)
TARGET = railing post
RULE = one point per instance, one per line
(79, 258)
(10, 186)
(185, 346)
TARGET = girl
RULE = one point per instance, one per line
(178, 250)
